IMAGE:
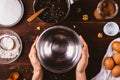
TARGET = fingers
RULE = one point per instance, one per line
(35, 41)
(33, 49)
(85, 51)
(33, 57)
(83, 41)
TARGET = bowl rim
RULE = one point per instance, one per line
(20, 17)
(20, 42)
(115, 5)
(77, 58)
(115, 26)
(68, 5)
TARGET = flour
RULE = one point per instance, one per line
(9, 54)
(7, 43)
(10, 12)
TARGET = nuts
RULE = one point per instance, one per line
(100, 35)
(38, 28)
(85, 17)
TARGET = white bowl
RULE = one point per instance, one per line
(111, 29)
(11, 20)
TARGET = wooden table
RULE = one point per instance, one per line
(88, 29)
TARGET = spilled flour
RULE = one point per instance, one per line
(10, 46)
(10, 12)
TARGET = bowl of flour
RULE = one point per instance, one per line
(11, 12)
(10, 46)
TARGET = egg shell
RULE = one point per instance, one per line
(116, 71)
(116, 58)
(108, 63)
(116, 46)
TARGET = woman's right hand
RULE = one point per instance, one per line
(37, 69)
(83, 62)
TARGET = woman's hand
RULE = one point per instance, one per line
(83, 62)
(38, 73)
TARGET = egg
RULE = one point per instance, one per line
(116, 46)
(108, 63)
(116, 71)
(116, 58)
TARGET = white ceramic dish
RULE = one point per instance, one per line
(111, 28)
(17, 19)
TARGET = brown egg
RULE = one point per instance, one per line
(108, 63)
(116, 58)
(116, 71)
(116, 46)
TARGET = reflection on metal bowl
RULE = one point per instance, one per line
(58, 49)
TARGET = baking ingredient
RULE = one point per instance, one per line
(7, 43)
(116, 58)
(97, 15)
(14, 76)
(100, 35)
(10, 11)
(116, 71)
(9, 54)
(85, 17)
(38, 28)
(56, 10)
(106, 9)
(116, 46)
(108, 63)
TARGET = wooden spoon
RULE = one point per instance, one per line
(31, 18)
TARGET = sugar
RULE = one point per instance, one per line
(10, 12)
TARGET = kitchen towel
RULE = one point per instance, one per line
(106, 74)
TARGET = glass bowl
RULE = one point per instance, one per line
(10, 46)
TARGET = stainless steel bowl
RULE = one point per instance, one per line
(58, 49)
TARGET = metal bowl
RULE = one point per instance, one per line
(56, 10)
(58, 49)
